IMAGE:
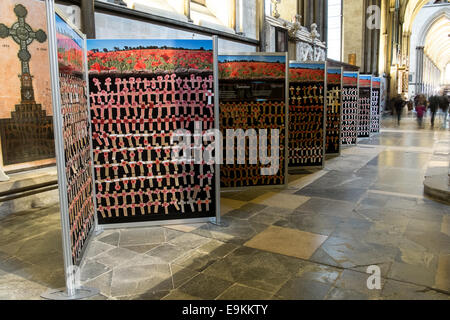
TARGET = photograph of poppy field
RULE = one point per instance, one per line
(333, 77)
(376, 83)
(350, 80)
(252, 67)
(150, 56)
(365, 82)
(70, 44)
(300, 72)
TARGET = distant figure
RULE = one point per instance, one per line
(443, 105)
(433, 106)
(420, 110)
(399, 104)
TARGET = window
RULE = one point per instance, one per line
(281, 40)
(335, 29)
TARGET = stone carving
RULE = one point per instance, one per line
(275, 12)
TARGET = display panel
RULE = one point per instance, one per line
(142, 92)
(364, 106)
(375, 105)
(74, 110)
(253, 97)
(26, 127)
(334, 110)
(307, 91)
(350, 112)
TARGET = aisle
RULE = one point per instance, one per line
(313, 240)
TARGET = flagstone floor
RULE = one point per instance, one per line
(312, 240)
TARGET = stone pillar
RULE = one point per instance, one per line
(88, 18)
(419, 69)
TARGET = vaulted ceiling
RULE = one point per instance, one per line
(437, 42)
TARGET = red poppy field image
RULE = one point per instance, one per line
(252, 67)
(154, 58)
(350, 81)
(334, 78)
(70, 56)
(306, 75)
(251, 70)
(365, 83)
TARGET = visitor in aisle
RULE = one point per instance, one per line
(421, 109)
(443, 105)
(433, 106)
(399, 104)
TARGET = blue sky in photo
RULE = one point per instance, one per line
(255, 58)
(351, 74)
(334, 71)
(63, 28)
(365, 77)
(318, 66)
(109, 44)
(376, 79)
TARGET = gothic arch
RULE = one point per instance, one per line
(430, 23)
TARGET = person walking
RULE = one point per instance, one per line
(421, 109)
(399, 104)
(433, 106)
(443, 105)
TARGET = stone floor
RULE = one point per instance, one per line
(312, 240)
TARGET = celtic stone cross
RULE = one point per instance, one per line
(23, 35)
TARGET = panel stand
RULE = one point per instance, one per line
(218, 222)
(61, 294)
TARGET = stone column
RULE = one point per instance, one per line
(88, 18)
(419, 69)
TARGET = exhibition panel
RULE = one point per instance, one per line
(253, 108)
(364, 106)
(375, 105)
(307, 92)
(146, 96)
(334, 111)
(71, 121)
(350, 115)
(74, 110)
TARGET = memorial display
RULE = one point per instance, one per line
(74, 110)
(26, 127)
(350, 111)
(364, 106)
(334, 110)
(253, 97)
(375, 105)
(142, 92)
(307, 91)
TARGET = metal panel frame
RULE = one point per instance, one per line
(217, 218)
(357, 103)
(294, 170)
(370, 115)
(71, 291)
(286, 120)
(341, 109)
(379, 105)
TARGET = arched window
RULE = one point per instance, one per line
(335, 29)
